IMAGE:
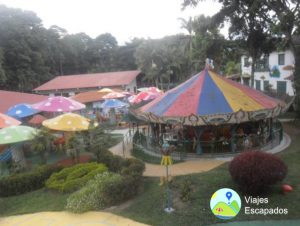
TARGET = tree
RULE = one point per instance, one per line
(75, 145)
(97, 141)
(102, 52)
(75, 53)
(41, 144)
(22, 46)
(247, 23)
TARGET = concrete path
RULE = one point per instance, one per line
(68, 219)
(183, 168)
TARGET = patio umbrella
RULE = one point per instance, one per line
(150, 89)
(113, 103)
(21, 111)
(113, 95)
(6, 121)
(37, 120)
(58, 104)
(67, 122)
(105, 90)
(143, 96)
(15, 134)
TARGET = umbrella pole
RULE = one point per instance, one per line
(18, 156)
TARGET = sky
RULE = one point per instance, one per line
(124, 19)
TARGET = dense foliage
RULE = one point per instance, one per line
(24, 182)
(73, 178)
(255, 171)
(31, 54)
(109, 188)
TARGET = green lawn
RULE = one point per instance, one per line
(148, 206)
(36, 201)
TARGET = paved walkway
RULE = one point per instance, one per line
(187, 167)
(68, 219)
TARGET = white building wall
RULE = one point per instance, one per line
(273, 62)
(131, 87)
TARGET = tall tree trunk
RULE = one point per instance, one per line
(252, 71)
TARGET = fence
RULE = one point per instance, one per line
(187, 149)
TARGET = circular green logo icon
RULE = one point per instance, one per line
(225, 203)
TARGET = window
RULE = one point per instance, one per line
(262, 65)
(281, 87)
(281, 57)
(257, 84)
(246, 62)
(246, 81)
(266, 85)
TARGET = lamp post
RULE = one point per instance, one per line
(166, 161)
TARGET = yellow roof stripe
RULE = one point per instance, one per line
(236, 98)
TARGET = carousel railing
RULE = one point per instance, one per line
(222, 146)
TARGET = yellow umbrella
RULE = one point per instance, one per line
(67, 122)
(105, 90)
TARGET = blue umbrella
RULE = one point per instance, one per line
(113, 103)
(21, 111)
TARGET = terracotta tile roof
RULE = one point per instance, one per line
(87, 97)
(10, 98)
(91, 96)
(108, 79)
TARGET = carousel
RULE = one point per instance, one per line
(211, 114)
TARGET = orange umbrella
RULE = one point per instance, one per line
(6, 121)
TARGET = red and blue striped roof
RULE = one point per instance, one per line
(208, 93)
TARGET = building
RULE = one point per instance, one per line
(9, 99)
(272, 72)
(70, 85)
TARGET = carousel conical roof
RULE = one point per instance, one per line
(208, 98)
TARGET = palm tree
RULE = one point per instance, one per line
(188, 26)
(42, 143)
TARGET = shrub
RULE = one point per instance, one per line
(255, 171)
(24, 182)
(73, 178)
(108, 188)
(91, 197)
(113, 162)
(133, 167)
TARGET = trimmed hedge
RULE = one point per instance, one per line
(91, 196)
(256, 171)
(105, 190)
(26, 182)
(108, 189)
(73, 178)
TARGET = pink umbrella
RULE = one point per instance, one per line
(113, 95)
(150, 89)
(143, 96)
(58, 104)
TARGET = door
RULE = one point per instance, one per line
(281, 87)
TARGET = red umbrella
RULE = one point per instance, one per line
(143, 96)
